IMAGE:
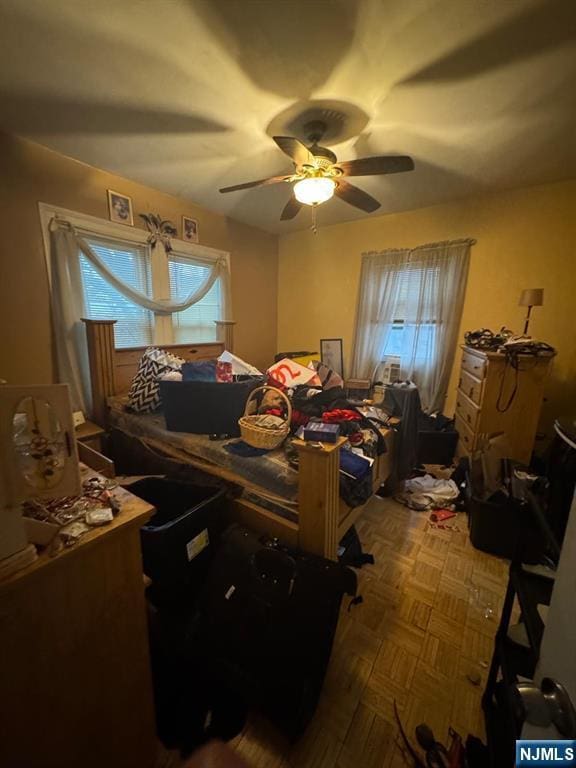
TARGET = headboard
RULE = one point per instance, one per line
(112, 370)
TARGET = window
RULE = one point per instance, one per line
(197, 322)
(135, 326)
(87, 257)
(409, 307)
(174, 276)
(412, 333)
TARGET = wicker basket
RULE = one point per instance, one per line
(259, 437)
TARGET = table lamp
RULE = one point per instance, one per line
(530, 297)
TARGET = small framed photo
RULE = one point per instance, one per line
(189, 230)
(331, 354)
(120, 208)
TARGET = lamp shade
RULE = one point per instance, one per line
(314, 190)
(531, 297)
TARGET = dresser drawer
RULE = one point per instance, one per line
(471, 386)
(467, 410)
(467, 438)
(474, 364)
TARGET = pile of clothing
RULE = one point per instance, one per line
(317, 395)
(428, 492)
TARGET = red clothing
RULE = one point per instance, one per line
(340, 414)
(299, 418)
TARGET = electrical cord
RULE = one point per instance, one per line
(513, 351)
(487, 340)
(503, 408)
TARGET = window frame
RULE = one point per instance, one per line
(163, 332)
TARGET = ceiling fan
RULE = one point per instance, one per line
(318, 175)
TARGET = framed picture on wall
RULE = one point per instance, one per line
(189, 230)
(331, 354)
(120, 208)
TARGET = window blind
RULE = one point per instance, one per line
(414, 294)
(134, 326)
(414, 324)
(197, 322)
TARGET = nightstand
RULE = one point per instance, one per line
(91, 440)
(91, 434)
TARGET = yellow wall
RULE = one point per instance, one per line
(30, 173)
(526, 239)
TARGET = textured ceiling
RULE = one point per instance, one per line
(183, 95)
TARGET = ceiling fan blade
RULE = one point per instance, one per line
(356, 197)
(259, 183)
(294, 149)
(291, 209)
(374, 166)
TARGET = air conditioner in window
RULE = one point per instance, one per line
(389, 370)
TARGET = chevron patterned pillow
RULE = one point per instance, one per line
(144, 394)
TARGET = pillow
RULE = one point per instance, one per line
(172, 376)
(204, 370)
(144, 394)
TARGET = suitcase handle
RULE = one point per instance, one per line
(275, 572)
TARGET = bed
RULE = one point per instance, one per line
(303, 507)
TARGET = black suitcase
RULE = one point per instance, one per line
(268, 616)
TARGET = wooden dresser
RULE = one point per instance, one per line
(75, 682)
(485, 385)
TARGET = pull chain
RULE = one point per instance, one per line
(314, 227)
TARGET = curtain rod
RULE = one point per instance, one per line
(426, 246)
(461, 241)
(59, 221)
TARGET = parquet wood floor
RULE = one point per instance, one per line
(420, 638)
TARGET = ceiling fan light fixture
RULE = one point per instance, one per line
(315, 190)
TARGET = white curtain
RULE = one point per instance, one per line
(68, 304)
(410, 305)
(68, 308)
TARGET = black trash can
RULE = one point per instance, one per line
(437, 439)
(178, 542)
(437, 447)
(499, 523)
(493, 524)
